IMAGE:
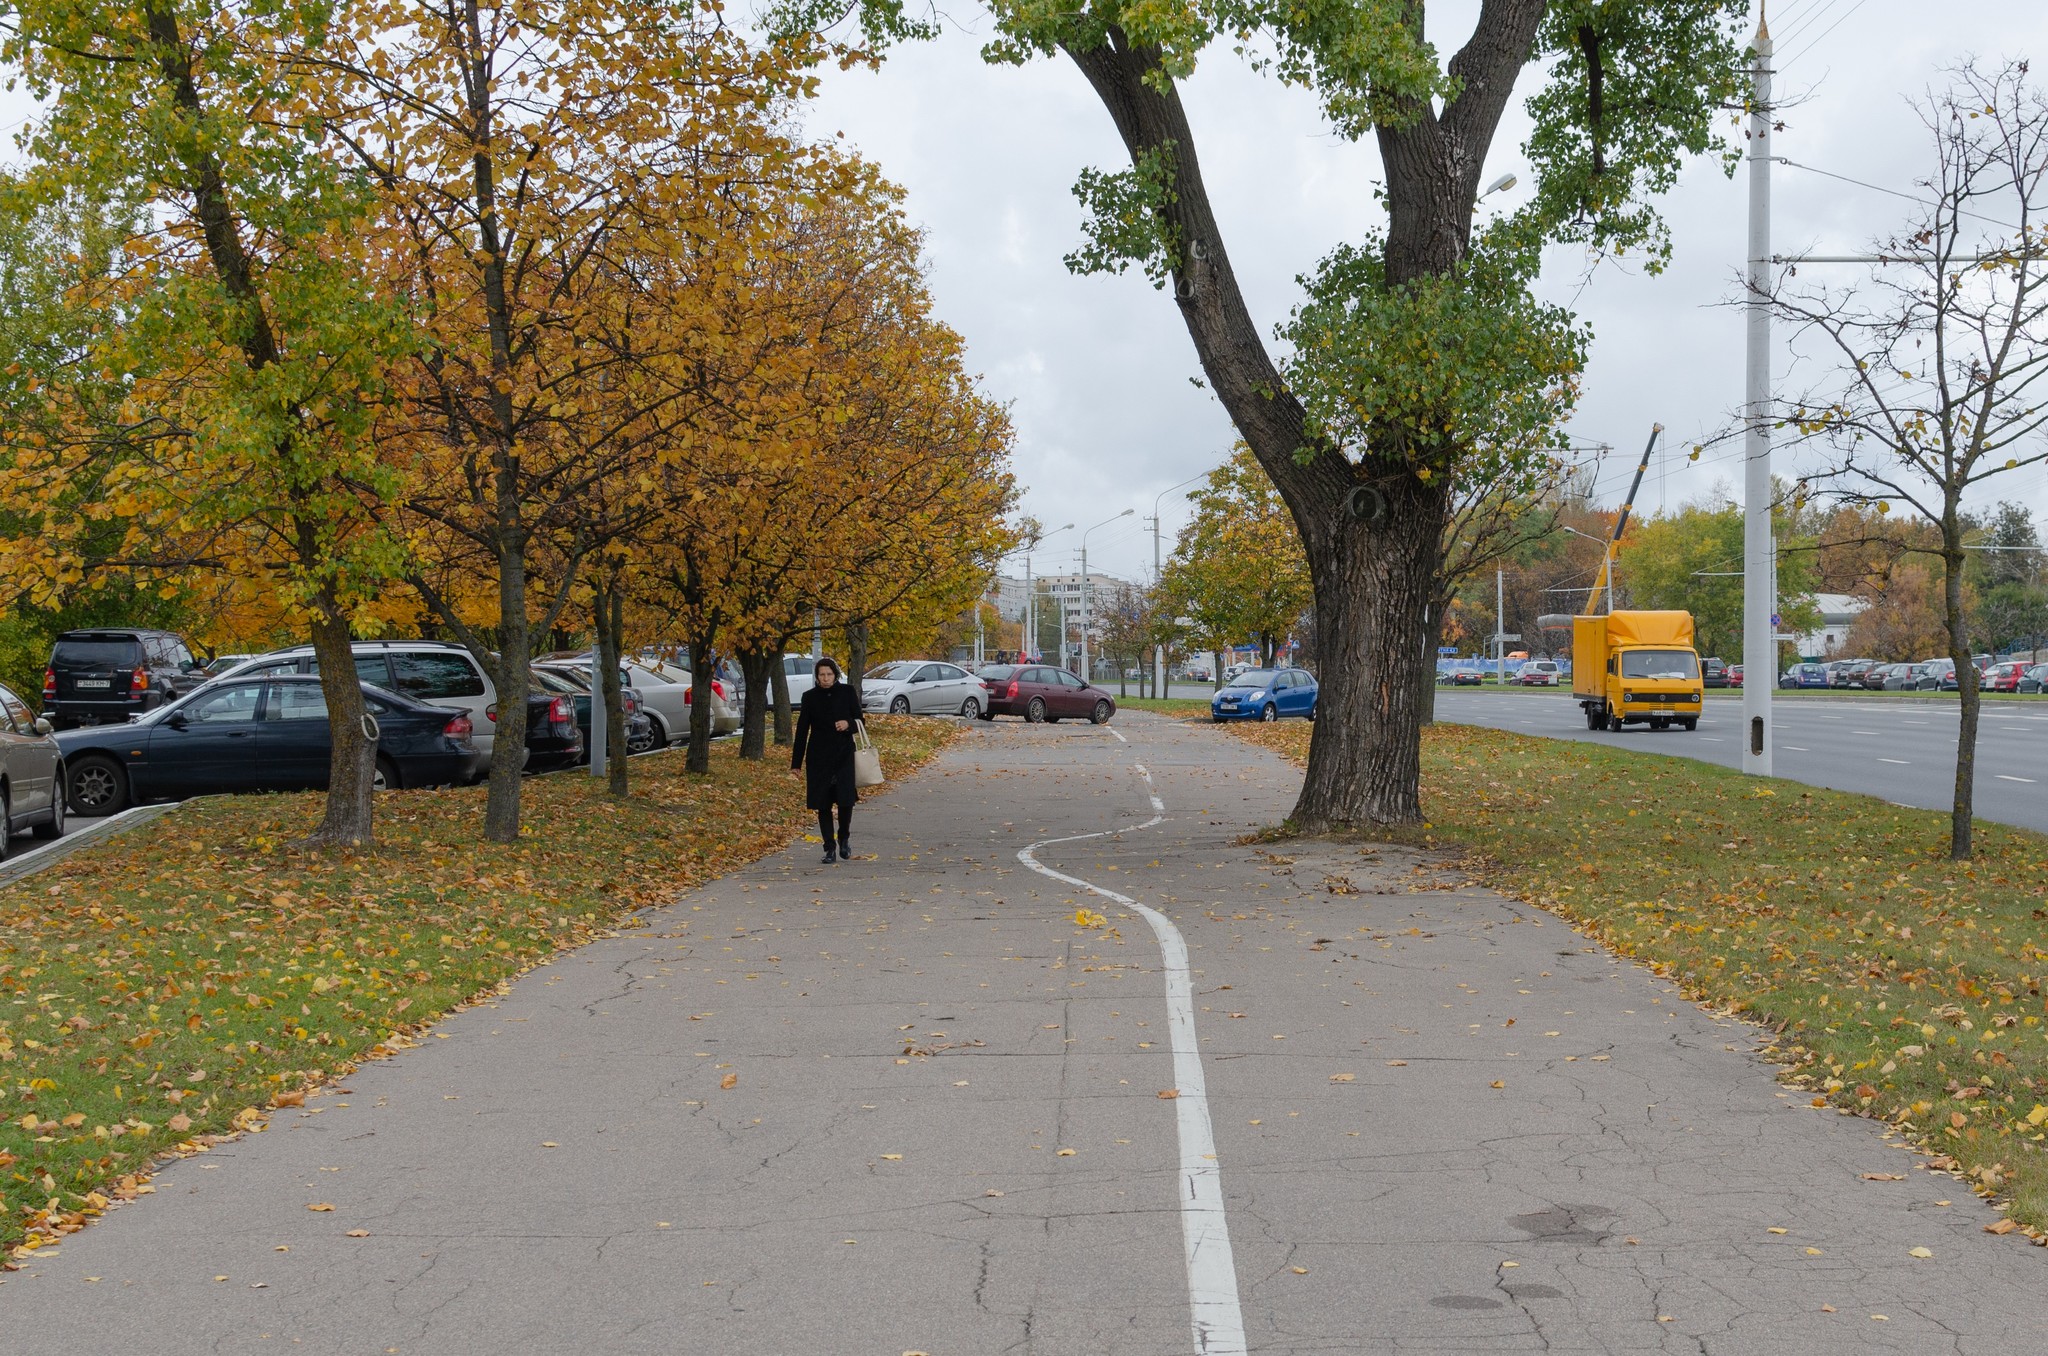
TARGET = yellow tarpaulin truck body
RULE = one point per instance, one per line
(1636, 667)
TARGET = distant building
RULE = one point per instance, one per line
(1007, 596)
(1838, 612)
(1067, 589)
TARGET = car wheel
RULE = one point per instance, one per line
(660, 728)
(970, 709)
(988, 715)
(53, 827)
(1100, 716)
(900, 707)
(96, 786)
(1035, 712)
(1270, 714)
(385, 778)
(6, 824)
(643, 743)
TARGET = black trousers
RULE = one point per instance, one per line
(825, 824)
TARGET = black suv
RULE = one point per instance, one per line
(1713, 673)
(110, 674)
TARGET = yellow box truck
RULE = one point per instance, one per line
(1636, 667)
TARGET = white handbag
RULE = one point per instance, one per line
(867, 764)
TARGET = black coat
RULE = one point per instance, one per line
(829, 779)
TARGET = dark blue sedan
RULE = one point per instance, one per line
(257, 734)
(1266, 694)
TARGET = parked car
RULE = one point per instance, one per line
(663, 692)
(1196, 673)
(1539, 673)
(1041, 692)
(2035, 679)
(432, 671)
(923, 687)
(1735, 675)
(1466, 678)
(1936, 675)
(1847, 673)
(258, 734)
(573, 681)
(1234, 671)
(221, 663)
(1713, 673)
(31, 773)
(112, 673)
(1804, 675)
(2005, 677)
(1266, 694)
(553, 738)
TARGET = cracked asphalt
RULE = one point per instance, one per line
(1446, 1123)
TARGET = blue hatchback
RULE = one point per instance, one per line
(1266, 694)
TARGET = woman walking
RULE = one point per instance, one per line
(824, 731)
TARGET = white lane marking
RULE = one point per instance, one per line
(1205, 1233)
(1119, 736)
(2002, 777)
(1900, 761)
(1794, 748)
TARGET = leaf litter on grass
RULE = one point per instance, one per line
(1896, 983)
(190, 979)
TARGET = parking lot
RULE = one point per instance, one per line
(1901, 749)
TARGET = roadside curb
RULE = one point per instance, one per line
(112, 826)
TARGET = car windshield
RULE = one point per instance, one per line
(1256, 678)
(902, 668)
(998, 671)
(554, 682)
(98, 652)
(1659, 664)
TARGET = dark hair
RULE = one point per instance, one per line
(837, 675)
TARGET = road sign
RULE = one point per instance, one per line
(1447, 649)
(1776, 621)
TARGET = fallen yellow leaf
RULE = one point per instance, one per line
(320, 1206)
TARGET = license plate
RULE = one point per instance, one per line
(1230, 706)
(1664, 711)
(92, 682)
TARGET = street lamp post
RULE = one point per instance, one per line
(1159, 650)
(1606, 553)
(1029, 639)
(1087, 610)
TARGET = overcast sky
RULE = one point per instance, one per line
(1097, 369)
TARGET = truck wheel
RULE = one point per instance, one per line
(1690, 723)
(1613, 724)
(1593, 718)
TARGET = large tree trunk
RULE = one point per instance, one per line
(352, 763)
(785, 724)
(514, 678)
(1371, 583)
(754, 667)
(699, 757)
(611, 630)
(1963, 809)
(856, 656)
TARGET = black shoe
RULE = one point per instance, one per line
(830, 857)
(845, 852)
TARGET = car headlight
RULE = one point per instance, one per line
(1628, 696)
(1258, 696)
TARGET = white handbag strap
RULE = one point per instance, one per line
(860, 736)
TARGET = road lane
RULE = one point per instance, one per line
(1903, 752)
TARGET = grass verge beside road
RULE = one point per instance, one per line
(1165, 706)
(1900, 984)
(177, 983)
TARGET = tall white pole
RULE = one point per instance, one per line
(598, 749)
(1087, 611)
(1158, 649)
(1759, 600)
(1029, 648)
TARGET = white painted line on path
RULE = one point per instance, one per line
(1205, 1234)
(1794, 748)
(1900, 761)
(2002, 777)
(1119, 736)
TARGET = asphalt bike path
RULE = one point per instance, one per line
(1902, 751)
(910, 1104)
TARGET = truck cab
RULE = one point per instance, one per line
(1637, 668)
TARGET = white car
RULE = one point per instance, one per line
(665, 695)
(433, 671)
(1539, 673)
(925, 687)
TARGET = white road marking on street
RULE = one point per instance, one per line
(1900, 761)
(1119, 736)
(2002, 777)
(1868, 732)
(1794, 748)
(1711, 740)
(1205, 1233)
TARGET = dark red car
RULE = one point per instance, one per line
(1043, 692)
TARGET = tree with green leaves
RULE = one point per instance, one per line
(1418, 318)
(1237, 571)
(250, 348)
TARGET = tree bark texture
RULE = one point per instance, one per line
(514, 678)
(785, 723)
(699, 757)
(1968, 691)
(856, 655)
(1372, 584)
(611, 627)
(755, 666)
